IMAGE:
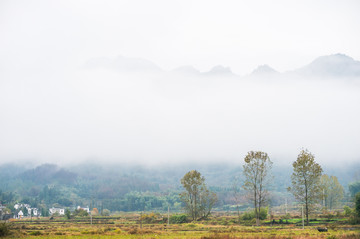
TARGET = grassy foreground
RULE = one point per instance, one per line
(122, 228)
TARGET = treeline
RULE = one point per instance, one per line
(136, 188)
(136, 201)
(309, 186)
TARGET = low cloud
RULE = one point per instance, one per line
(108, 115)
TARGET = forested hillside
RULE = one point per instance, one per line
(119, 187)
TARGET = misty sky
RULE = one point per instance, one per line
(240, 34)
(53, 108)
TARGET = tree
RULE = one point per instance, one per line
(44, 211)
(332, 191)
(357, 204)
(197, 198)
(354, 188)
(25, 211)
(81, 213)
(236, 194)
(4, 229)
(207, 202)
(95, 211)
(105, 212)
(6, 197)
(257, 179)
(306, 181)
(67, 214)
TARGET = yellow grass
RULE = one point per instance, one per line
(122, 228)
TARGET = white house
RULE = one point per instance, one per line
(34, 210)
(84, 208)
(53, 210)
(20, 205)
(2, 211)
(19, 215)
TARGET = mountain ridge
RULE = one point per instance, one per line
(335, 65)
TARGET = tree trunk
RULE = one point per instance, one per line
(307, 216)
(238, 212)
(306, 204)
(195, 209)
(256, 209)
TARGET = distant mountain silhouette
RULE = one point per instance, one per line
(48, 173)
(337, 65)
(219, 70)
(187, 70)
(264, 70)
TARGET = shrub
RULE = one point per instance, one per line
(251, 214)
(67, 214)
(148, 218)
(191, 225)
(86, 232)
(133, 231)
(81, 213)
(224, 222)
(35, 233)
(105, 212)
(287, 216)
(178, 218)
(263, 213)
(357, 204)
(218, 236)
(4, 229)
(95, 212)
(56, 214)
(248, 215)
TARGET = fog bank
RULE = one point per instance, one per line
(105, 115)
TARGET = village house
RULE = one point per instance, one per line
(19, 215)
(31, 211)
(84, 208)
(35, 211)
(20, 205)
(53, 210)
(2, 211)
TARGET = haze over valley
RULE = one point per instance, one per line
(126, 110)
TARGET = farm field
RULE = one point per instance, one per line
(216, 227)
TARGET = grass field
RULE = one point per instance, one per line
(128, 226)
